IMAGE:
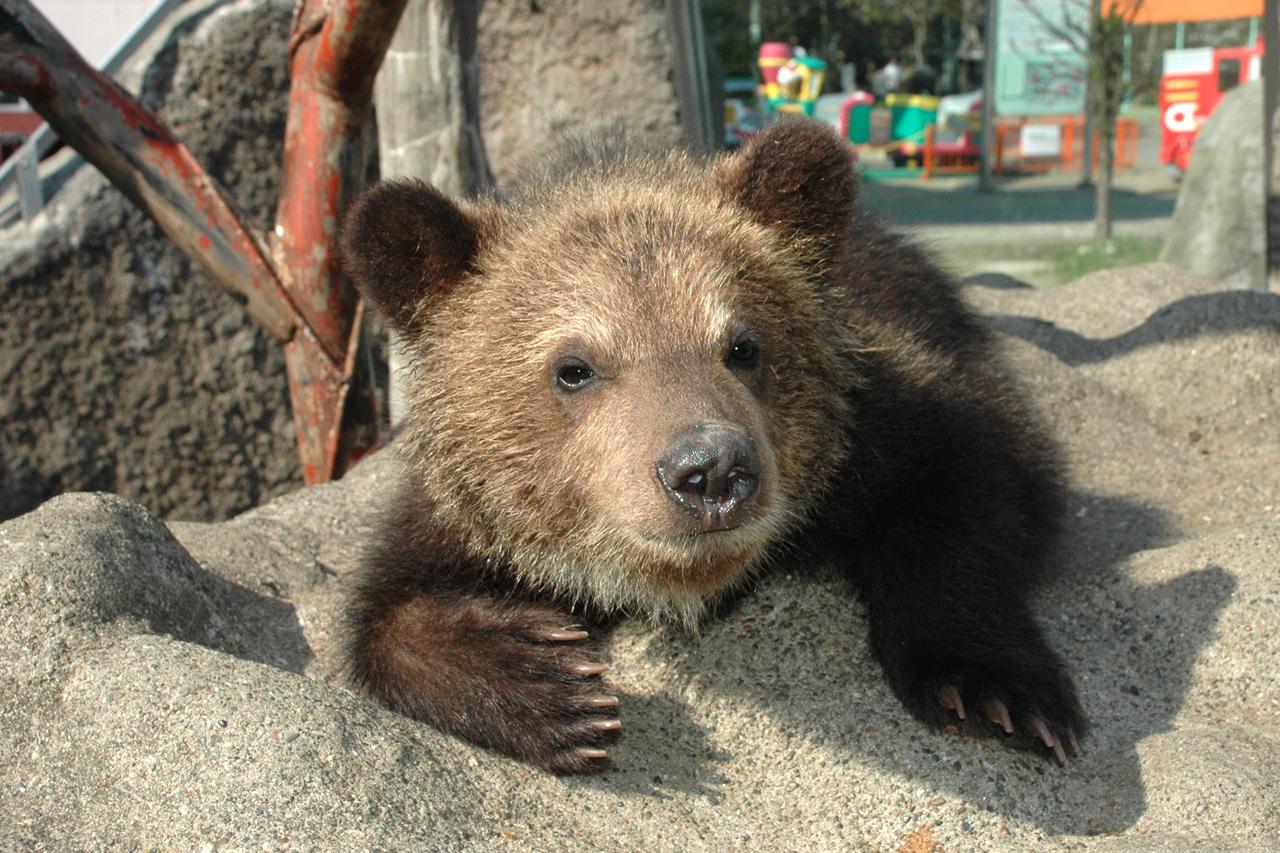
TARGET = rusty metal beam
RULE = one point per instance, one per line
(293, 288)
(335, 49)
(142, 158)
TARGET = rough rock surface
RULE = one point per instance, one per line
(124, 367)
(551, 66)
(178, 686)
(1218, 227)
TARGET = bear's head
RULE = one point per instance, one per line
(626, 379)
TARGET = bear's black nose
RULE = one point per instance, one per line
(712, 470)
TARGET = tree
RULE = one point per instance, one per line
(1095, 29)
(1107, 91)
(971, 48)
(919, 13)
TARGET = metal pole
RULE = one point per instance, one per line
(30, 194)
(1270, 109)
(988, 97)
(693, 91)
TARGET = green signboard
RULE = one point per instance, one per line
(1039, 71)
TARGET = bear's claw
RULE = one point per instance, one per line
(997, 713)
(1019, 715)
(950, 698)
(566, 635)
(1042, 731)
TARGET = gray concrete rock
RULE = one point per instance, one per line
(553, 66)
(181, 686)
(1218, 227)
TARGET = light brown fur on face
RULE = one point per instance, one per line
(648, 276)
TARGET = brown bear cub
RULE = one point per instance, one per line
(642, 378)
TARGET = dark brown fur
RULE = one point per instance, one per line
(861, 408)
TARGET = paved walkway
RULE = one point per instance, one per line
(1039, 199)
(1053, 203)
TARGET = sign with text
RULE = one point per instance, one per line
(1040, 140)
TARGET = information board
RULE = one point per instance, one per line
(1038, 70)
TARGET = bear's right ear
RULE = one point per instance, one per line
(404, 241)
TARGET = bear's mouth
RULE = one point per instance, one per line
(742, 539)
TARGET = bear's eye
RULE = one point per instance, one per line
(574, 375)
(744, 354)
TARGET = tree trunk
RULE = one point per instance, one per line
(427, 98)
(1106, 63)
(920, 34)
(1102, 193)
(1092, 95)
(970, 49)
(1086, 145)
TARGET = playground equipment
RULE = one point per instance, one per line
(855, 117)
(1191, 88)
(909, 116)
(953, 143)
(792, 79)
(941, 134)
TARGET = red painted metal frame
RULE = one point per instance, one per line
(292, 286)
(335, 49)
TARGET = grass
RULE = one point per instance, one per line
(1046, 265)
(1070, 262)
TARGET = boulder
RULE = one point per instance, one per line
(127, 369)
(549, 67)
(1218, 227)
(181, 685)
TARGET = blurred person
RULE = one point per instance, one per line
(892, 75)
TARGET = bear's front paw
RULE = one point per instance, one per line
(1030, 708)
(547, 705)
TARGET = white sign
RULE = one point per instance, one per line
(1040, 140)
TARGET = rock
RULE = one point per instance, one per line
(1218, 227)
(549, 67)
(180, 686)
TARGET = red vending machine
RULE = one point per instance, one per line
(1191, 86)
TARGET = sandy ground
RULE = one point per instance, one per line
(177, 687)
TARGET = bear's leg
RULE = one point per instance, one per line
(507, 673)
(944, 562)
(973, 658)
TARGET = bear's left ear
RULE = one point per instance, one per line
(797, 174)
(404, 241)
